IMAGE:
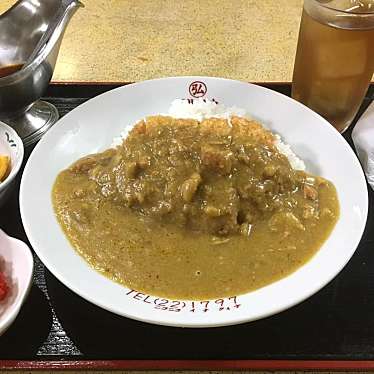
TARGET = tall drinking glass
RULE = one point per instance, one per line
(335, 58)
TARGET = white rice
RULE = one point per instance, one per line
(201, 109)
(296, 162)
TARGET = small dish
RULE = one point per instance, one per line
(12, 146)
(18, 264)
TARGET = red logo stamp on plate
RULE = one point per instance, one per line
(198, 89)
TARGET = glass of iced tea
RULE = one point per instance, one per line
(334, 62)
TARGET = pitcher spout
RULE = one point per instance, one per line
(51, 38)
(67, 10)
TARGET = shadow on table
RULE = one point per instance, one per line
(28, 332)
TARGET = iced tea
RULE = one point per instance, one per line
(335, 58)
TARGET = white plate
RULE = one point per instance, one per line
(91, 127)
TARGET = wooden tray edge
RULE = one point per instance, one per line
(267, 365)
(123, 83)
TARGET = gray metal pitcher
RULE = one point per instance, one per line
(31, 32)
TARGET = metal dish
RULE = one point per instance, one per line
(22, 27)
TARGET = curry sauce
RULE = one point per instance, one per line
(194, 210)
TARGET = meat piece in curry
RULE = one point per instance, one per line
(196, 210)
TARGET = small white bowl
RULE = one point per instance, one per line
(11, 145)
(18, 262)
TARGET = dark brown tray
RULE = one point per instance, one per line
(56, 329)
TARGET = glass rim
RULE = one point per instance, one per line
(370, 13)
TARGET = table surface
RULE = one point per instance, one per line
(335, 324)
(127, 40)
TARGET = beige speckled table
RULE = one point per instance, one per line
(127, 40)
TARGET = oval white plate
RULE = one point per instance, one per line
(92, 126)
